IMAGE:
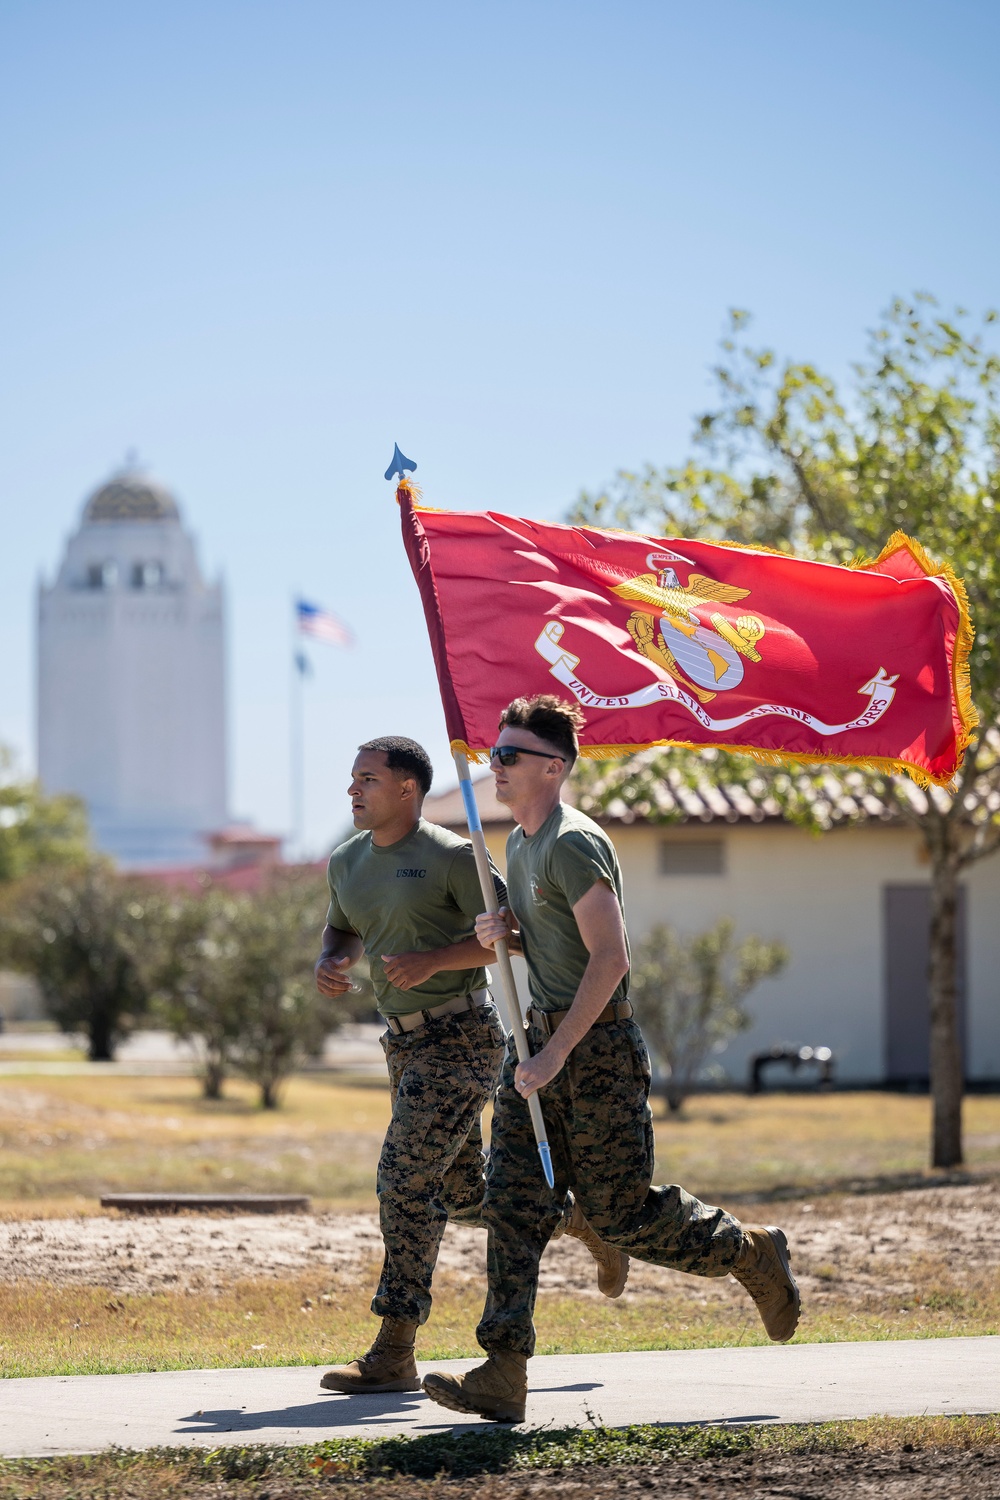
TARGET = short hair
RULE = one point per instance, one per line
(551, 718)
(405, 756)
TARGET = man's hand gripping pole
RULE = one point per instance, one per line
(508, 983)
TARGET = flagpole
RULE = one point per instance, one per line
(509, 1002)
(296, 738)
(508, 983)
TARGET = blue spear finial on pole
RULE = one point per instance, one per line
(400, 464)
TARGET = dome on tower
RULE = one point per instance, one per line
(131, 496)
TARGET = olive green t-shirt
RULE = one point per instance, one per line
(547, 874)
(422, 892)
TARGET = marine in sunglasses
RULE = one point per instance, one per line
(590, 1062)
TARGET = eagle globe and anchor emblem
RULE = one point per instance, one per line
(666, 630)
(698, 660)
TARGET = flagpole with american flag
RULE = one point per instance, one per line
(318, 624)
(313, 623)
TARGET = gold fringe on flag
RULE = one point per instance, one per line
(407, 489)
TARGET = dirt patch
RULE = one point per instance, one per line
(881, 1476)
(866, 1475)
(856, 1248)
(184, 1252)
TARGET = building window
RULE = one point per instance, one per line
(147, 575)
(102, 575)
(692, 857)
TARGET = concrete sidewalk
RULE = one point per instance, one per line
(792, 1383)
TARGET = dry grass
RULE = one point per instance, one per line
(51, 1329)
(43, 1055)
(76, 1137)
(84, 1331)
(734, 1146)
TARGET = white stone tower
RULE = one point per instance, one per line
(131, 679)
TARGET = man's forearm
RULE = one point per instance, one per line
(336, 944)
(468, 954)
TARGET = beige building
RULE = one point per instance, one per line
(851, 906)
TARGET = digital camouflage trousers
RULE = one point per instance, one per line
(601, 1136)
(431, 1166)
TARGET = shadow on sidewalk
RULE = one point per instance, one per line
(333, 1410)
(342, 1411)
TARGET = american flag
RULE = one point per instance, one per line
(321, 625)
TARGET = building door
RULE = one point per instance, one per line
(906, 946)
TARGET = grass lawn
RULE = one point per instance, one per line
(43, 1055)
(305, 1320)
(75, 1137)
(65, 1140)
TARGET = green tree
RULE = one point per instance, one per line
(786, 461)
(688, 995)
(283, 1017)
(36, 829)
(234, 976)
(79, 932)
(189, 979)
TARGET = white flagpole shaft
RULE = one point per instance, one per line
(296, 750)
(508, 983)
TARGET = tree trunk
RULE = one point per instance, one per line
(212, 1079)
(102, 1038)
(269, 1092)
(674, 1097)
(947, 1082)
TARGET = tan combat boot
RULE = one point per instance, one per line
(612, 1264)
(764, 1269)
(498, 1389)
(389, 1364)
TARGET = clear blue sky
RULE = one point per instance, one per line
(262, 241)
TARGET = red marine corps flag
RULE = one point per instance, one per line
(664, 641)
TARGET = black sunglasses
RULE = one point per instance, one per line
(507, 754)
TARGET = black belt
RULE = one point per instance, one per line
(549, 1020)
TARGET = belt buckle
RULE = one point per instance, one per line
(395, 1025)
